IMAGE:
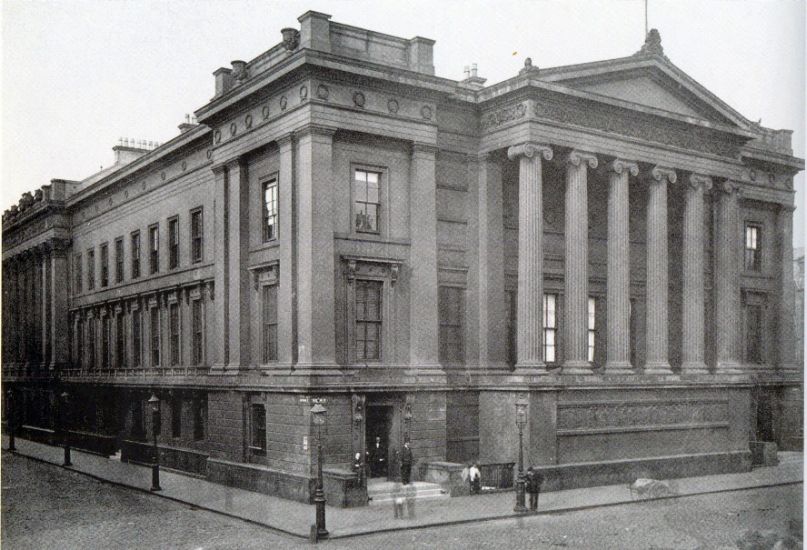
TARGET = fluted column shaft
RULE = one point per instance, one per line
(657, 277)
(576, 263)
(530, 255)
(618, 290)
(693, 328)
(727, 278)
(786, 341)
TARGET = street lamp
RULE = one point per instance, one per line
(65, 425)
(154, 401)
(12, 410)
(318, 413)
(521, 421)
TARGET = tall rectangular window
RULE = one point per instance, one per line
(104, 265)
(550, 328)
(592, 327)
(270, 209)
(197, 226)
(91, 336)
(105, 349)
(119, 260)
(120, 342)
(199, 416)
(257, 417)
(173, 243)
(450, 309)
(753, 334)
(135, 251)
(269, 323)
(366, 200)
(137, 338)
(512, 319)
(197, 332)
(173, 325)
(753, 247)
(79, 343)
(155, 337)
(77, 273)
(176, 416)
(368, 320)
(90, 269)
(154, 248)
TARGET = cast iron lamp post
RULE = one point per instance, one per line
(154, 401)
(12, 410)
(318, 413)
(65, 429)
(521, 421)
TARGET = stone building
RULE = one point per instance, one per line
(607, 245)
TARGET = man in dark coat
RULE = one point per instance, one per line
(534, 481)
(378, 458)
(406, 463)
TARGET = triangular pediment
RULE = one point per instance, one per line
(650, 81)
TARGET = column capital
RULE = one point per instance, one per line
(789, 208)
(314, 129)
(529, 150)
(729, 187)
(576, 158)
(618, 166)
(663, 173)
(285, 139)
(699, 180)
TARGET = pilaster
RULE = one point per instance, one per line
(221, 336)
(530, 256)
(316, 346)
(286, 236)
(727, 278)
(786, 341)
(618, 289)
(576, 263)
(423, 326)
(693, 328)
(58, 305)
(492, 333)
(657, 276)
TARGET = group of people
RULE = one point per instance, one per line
(533, 481)
(377, 463)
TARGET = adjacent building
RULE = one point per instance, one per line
(605, 247)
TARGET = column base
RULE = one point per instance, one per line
(728, 367)
(530, 368)
(657, 367)
(694, 367)
(576, 367)
(619, 367)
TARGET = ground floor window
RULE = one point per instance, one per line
(257, 425)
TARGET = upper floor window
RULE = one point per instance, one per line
(269, 323)
(753, 247)
(90, 269)
(173, 243)
(197, 324)
(104, 265)
(368, 320)
(77, 273)
(196, 235)
(366, 200)
(174, 328)
(119, 260)
(137, 338)
(270, 209)
(120, 341)
(450, 309)
(550, 328)
(592, 327)
(511, 299)
(154, 248)
(106, 354)
(135, 255)
(155, 337)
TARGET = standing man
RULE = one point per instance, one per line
(406, 463)
(534, 481)
(378, 458)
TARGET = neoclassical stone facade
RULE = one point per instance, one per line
(607, 244)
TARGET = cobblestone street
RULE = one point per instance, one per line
(44, 506)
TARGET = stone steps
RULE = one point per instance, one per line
(385, 492)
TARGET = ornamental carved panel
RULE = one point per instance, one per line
(619, 414)
(501, 116)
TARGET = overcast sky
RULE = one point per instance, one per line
(77, 75)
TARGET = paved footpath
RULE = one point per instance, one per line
(295, 518)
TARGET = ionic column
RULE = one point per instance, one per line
(576, 263)
(44, 304)
(657, 277)
(693, 327)
(786, 341)
(618, 292)
(529, 314)
(59, 335)
(728, 316)
(423, 326)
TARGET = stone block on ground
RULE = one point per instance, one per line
(652, 488)
(764, 453)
